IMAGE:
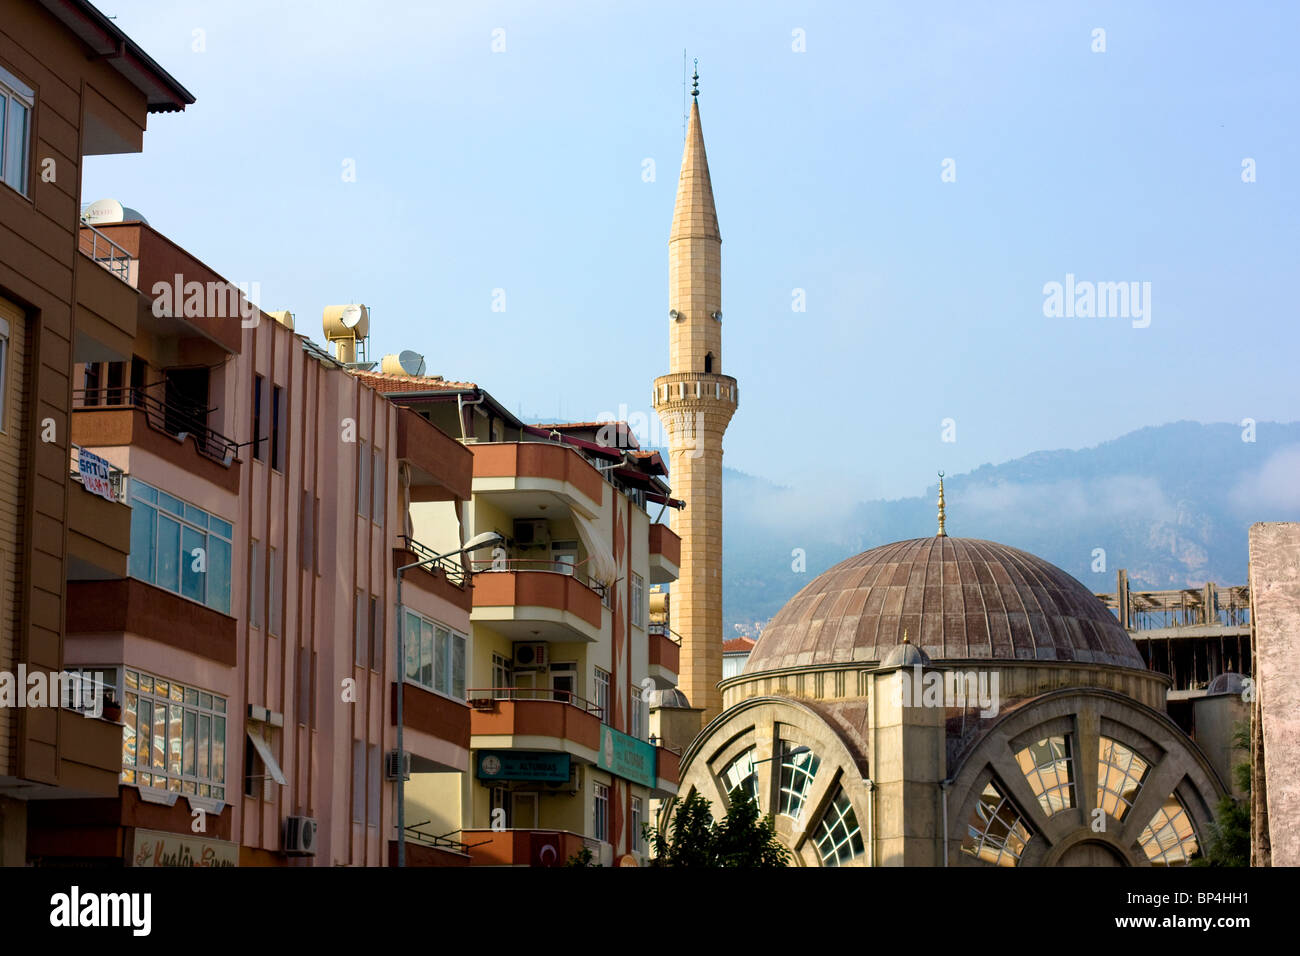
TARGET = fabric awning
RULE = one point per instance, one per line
(613, 454)
(268, 759)
(600, 559)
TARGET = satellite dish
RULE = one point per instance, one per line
(412, 363)
(350, 316)
(107, 211)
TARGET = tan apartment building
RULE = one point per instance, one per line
(72, 85)
(251, 644)
(562, 657)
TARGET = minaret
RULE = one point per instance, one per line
(695, 401)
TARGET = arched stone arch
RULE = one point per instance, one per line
(761, 725)
(1173, 765)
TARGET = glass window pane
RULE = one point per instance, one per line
(169, 551)
(191, 696)
(144, 530)
(128, 730)
(196, 516)
(178, 693)
(146, 684)
(426, 654)
(188, 730)
(442, 660)
(16, 147)
(159, 736)
(167, 503)
(143, 492)
(458, 667)
(219, 527)
(174, 739)
(218, 577)
(219, 704)
(205, 743)
(205, 700)
(411, 638)
(218, 748)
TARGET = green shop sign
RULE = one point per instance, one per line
(523, 765)
(626, 757)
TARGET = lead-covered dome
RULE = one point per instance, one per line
(956, 598)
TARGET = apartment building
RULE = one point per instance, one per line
(72, 85)
(248, 642)
(562, 660)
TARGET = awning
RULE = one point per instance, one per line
(664, 500)
(600, 559)
(264, 752)
(613, 454)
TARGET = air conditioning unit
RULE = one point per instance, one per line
(300, 836)
(532, 533)
(391, 765)
(530, 656)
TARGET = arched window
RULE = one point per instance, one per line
(740, 776)
(708, 362)
(797, 773)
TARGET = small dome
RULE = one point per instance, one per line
(906, 654)
(670, 697)
(1229, 682)
(957, 598)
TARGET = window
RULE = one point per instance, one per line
(797, 774)
(376, 632)
(1049, 771)
(17, 100)
(602, 694)
(90, 384)
(501, 676)
(374, 790)
(277, 427)
(638, 600)
(254, 583)
(275, 619)
(173, 737)
(740, 777)
(257, 417)
(379, 489)
(638, 839)
(360, 630)
(600, 813)
(837, 836)
(640, 716)
(1169, 839)
(708, 362)
(1120, 773)
(358, 781)
(4, 366)
(996, 832)
(435, 656)
(179, 547)
(363, 480)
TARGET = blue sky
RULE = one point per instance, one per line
(522, 170)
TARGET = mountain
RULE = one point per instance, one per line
(1171, 503)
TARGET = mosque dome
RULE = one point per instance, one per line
(951, 598)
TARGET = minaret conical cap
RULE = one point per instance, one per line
(694, 215)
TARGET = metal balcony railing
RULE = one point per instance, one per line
(115, 475)
(105, 251)
(174, 417)
(662, 629)
(487, 694)
(452, 570)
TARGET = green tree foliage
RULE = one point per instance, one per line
(743, 838)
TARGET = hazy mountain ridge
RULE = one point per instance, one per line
(1171, 503)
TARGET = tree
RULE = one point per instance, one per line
(742, 838)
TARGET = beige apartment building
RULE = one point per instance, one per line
(563, 661)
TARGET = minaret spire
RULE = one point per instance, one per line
(695, 401)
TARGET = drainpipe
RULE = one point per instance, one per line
(943, 789)
(463, 403)
(871, 821)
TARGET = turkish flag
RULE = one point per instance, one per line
(546, 850)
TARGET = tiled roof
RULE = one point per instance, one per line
(738, 645)
(388, 383)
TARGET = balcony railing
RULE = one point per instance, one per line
(177, 418)
(105, 251)
(576, 571)
(483, 696)
(663, 630)
(115, 475)
(452, 570)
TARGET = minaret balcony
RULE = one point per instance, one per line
(695, 386)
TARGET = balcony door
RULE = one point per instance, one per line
(186, 392)
(523, 811)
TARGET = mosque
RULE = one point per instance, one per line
(1049, 743)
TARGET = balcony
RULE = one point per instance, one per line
(99, 522)
(442, 469)
(536, 605)
(527, 718)
(668, 764)
(174, 431)
(108, 305)
(129, 606)
(429, 854)
(665, 554)
(665, 656)
(444, 720)
(526, 847)
(522, 470)
(90, 754)
(443, 578)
